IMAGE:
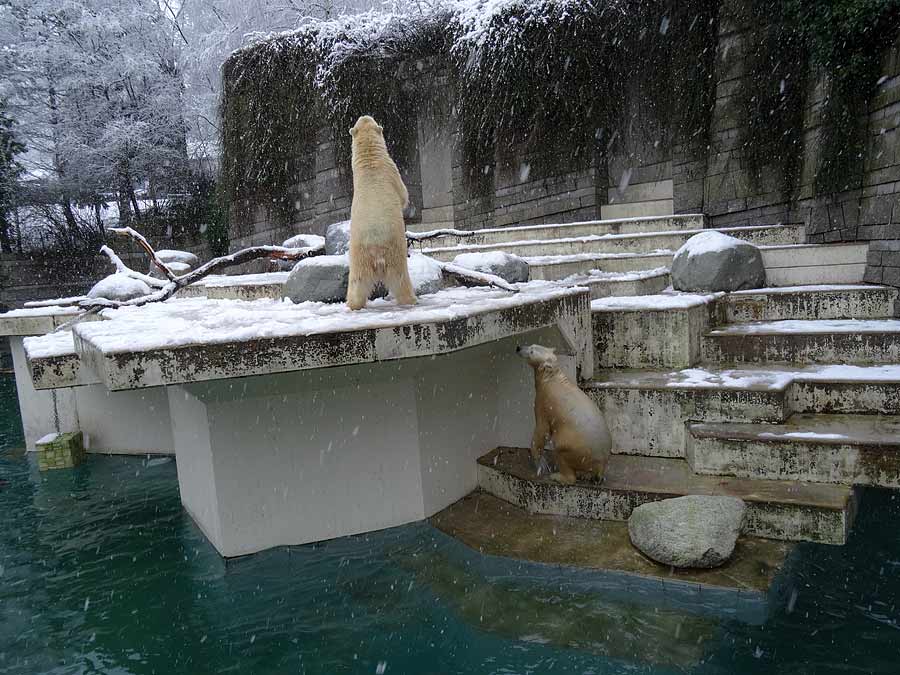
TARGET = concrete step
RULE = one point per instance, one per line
(775, 509)
(647, 410)
(650, 331)
(834, 301)
(803, 342)
(786, 265)
(556, 267)
(806, 264)
(641, 192)
(644, 242)
(499, 235)
(622, 284)
(846, 449)
(656, 207)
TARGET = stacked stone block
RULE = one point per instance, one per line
(62, 451)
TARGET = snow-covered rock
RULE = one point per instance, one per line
(321, 278)
(425, 273)
(324, 278)
(172, 256)
(692, 531)
(712, 261)
(304, 241)
(337, 238)
(505, 265)
(120, 287)
(177, 268)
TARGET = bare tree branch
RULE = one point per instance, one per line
(433, 234)
(469, 277)
(140, 239)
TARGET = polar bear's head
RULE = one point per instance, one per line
(538, 356)
(365, 124)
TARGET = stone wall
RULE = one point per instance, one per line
(659, 170)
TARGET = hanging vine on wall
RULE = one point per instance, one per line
(270, 116)
(844, 38)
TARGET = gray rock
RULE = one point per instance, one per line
(337, 238)
(425, 274)
(711, 261)
(119, 287)
(324, 278)
(505, 265)
(692, 531)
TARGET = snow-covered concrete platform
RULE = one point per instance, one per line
(120, 422)
(294, 423)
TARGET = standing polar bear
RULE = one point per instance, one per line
(566, 415)
(377, 233)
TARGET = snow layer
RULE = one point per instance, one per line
(812, 326)
(599, 275)
(586, 257)
(774, 378)
(804, 435)
(50, 310)
(49, 438)
(49, 345)
(196, 321)
(708, 241)
(661, 301)
(483, 261)
(423, 271)
(172, 256)
(820, 288)
(306, 241)
(120, 286)
(247, 279)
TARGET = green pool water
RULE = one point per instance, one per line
(101, 571)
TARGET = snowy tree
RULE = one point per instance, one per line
(10, 169)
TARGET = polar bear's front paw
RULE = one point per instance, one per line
(559, 478)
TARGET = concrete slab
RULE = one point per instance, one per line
(845, 449)
(198, 339)
(495, 527)
(843, 301)
(785, 510)
(805, 342)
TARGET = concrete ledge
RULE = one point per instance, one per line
(775, 509)
(450, 320)
(841, 301)
(35, 320)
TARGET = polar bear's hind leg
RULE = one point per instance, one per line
(400, 286)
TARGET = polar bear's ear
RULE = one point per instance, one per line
(353, 131)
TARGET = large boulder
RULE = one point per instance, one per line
(119, 287)
(304, 241)
(307, 241)
(324, 278)
(692, 531)
(425, 273)
(337, 238)
(172, 256)
(712, 261)
(505, 265)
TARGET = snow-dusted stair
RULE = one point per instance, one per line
(776, 509)
(642, 242)
(848, 449)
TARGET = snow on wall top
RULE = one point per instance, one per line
(663, 301)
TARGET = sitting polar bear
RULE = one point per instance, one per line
(568, 417)
(377, 233)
